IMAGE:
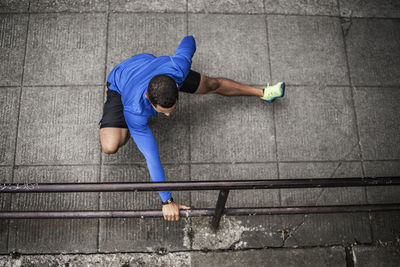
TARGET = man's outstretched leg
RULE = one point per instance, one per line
(229, 87)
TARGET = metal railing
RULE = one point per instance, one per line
(223, 185)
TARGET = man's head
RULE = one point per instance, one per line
(163, 93)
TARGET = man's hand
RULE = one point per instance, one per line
(171, 211)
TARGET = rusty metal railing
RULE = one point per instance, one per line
(223, 185)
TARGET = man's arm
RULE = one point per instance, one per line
(184, 53)
(144, 139)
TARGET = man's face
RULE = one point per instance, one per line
(166, 111)
(161, 109)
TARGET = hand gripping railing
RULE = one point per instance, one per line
(223, 185)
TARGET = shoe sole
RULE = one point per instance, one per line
(282, 93)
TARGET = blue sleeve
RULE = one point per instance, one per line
(145, 141)
(184, 53)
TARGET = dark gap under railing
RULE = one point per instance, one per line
(223, 185)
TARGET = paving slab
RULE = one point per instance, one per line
(373, 51)
(226, 6)
(13, 30)
(378, 122)
(171, 134)
(142, 235)
(9, 104)
(231, 129)
(145, 199)
(55, 201)
(316, 123)
(65, 49)
(376, 256)
(235, 171)
(323, 229)
(370, 8)
(5, 204)
(148, 6)
(137, 234)
(385, 226)
(325, 7)
(132, 34)
(231, 46)
(334, 256)
(14, 6)
(326, 229)
(59, 125)
(307, 50)
(382, 194)
(50, 235)
(68, 5)
(4, 236)
(53, 236)
(321, 196)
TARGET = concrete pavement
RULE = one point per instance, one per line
(339, 118)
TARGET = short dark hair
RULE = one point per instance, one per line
(162, 91)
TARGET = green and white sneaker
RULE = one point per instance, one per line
(274, 91)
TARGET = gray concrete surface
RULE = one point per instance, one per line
(339, 118)
(324, 256)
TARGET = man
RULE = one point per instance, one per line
(143, 85)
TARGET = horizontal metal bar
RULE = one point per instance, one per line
(198, 212)
(199, 185)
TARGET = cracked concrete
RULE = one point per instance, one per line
(229, 233)
(323, 189)
(346, 25)
(291, 232)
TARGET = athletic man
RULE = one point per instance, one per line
(143, 85)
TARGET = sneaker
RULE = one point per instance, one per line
(273, 92)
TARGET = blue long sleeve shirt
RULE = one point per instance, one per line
(130, 79)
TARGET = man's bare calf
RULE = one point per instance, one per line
(226, 87)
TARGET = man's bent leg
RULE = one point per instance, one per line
(226, 87)
(113, 128)
(113, 138)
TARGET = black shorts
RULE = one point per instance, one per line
(113, 115)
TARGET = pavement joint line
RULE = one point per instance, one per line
(273, 106)
(390, 244)
(338, 7)
(352, 89)
(18, 119)
(193, 163)
(99, 196)
(64, 85)
(190, 130)
(377, 86)
(264, 7)
(253, 84)
(349, 256)
(201, 12)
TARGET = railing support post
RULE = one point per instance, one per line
(219, 209)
